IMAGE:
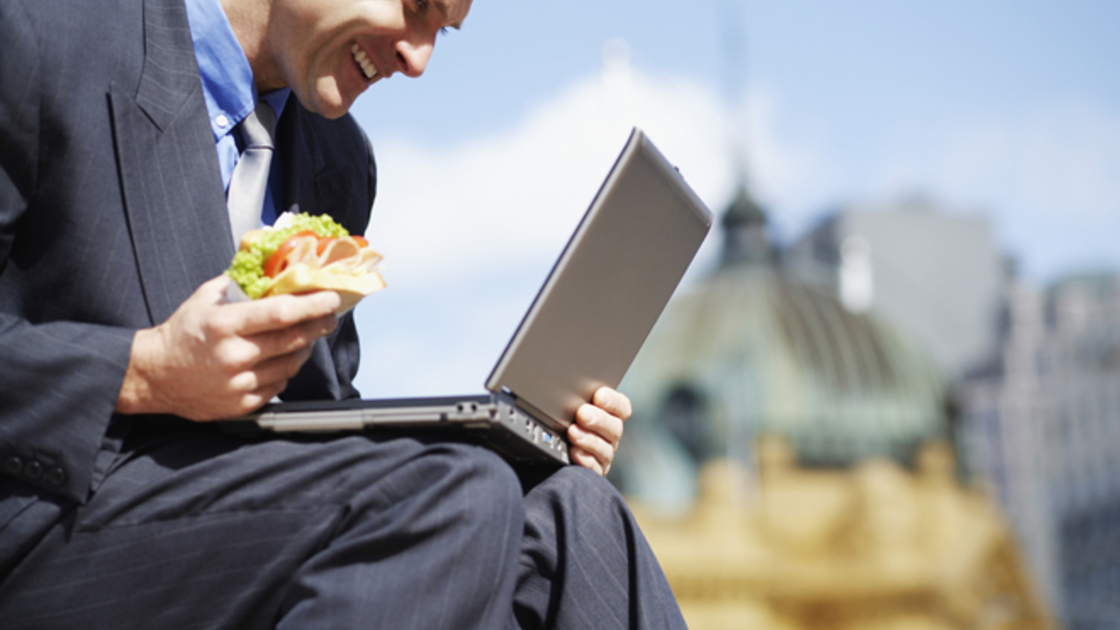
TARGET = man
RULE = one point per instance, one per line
(119, 506)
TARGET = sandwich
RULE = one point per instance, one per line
(301, 253)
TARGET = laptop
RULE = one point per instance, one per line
(582, 331)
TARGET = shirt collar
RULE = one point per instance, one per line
(227, 79)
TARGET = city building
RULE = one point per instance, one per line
(936, 275)
(751, 351)
(874, 546)
(1041, 423)
(790, 458)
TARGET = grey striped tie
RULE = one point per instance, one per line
(250, 176)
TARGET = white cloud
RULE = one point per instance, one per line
(1049, 180)
(1064, 162)
(515, 197)
(469, 231)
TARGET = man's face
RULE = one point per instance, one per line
(330, 51)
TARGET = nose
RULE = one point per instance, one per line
(413, 56)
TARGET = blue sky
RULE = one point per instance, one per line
(1006, 109)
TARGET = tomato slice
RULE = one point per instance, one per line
(278, 260)
(361, 240)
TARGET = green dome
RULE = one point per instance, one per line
(748, 352)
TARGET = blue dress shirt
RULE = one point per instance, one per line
(227, 85)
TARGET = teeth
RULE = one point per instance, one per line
(363, 61)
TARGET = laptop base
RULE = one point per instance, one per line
(492, 420)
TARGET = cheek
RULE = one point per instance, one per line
(315, 72)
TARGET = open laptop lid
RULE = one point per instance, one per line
(608, 288)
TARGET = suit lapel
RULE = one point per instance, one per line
(168, 166)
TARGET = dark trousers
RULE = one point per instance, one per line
(198, 529)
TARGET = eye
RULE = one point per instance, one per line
(422, 7)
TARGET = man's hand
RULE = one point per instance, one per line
(213, 359)
(595, 434)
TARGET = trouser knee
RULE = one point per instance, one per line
(451, 486)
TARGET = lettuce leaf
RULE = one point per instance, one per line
(247, 268)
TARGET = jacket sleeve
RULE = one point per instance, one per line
(58, 381)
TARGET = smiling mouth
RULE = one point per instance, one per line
(360, 57)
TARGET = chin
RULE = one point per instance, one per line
(329, 107)
(335, 112)
(329, 102)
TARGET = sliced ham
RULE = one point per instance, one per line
(343, 266)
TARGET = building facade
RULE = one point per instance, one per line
(790, 459)
(1041, 423)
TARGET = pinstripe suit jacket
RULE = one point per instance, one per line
(111, 214)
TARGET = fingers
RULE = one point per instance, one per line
(213, 359)
(275, 313)
(271, 374)
(250, 402)
(599, 422)
(590, 450)
(252, 388)
(276, 343)
(263, 362)
(213, 290)
(587, 460)
(598, 429)
(613, 402)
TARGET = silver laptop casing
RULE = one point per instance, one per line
(608, 288)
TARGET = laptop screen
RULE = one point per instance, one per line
(608, 287)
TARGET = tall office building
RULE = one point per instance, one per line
(935, 275)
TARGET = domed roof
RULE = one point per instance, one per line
(748, 352)
(789, 359)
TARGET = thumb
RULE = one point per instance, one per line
(213, 290)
